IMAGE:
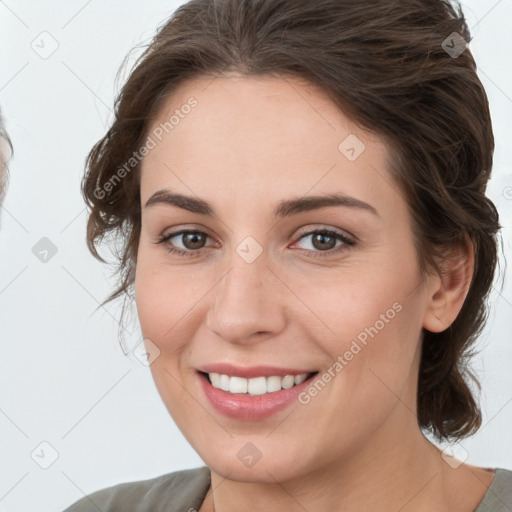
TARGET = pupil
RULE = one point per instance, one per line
(193, 240)
(322, 239)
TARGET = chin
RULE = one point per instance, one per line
(257, 461)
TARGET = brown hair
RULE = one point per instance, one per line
(398, 68)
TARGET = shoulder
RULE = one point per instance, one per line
(180, 490)
(498, 497)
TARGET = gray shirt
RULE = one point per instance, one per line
(184, 491)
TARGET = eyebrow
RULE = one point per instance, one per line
(284, 208)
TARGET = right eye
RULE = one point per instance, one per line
(192, 241)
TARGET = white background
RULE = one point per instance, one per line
(64, 377)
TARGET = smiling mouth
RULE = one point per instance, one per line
(257, 385)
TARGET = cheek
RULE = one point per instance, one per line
(163, 302)
(165, 297)
(355, 302)
(369, 322)
(371, 355)
(155, 304)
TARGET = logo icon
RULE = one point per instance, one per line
(248, 249)
(44, 455)
(454, 45)
(44, 250)
(352, 147)
(454, 455)
(249, 455)
(146, 352)
(45, 45)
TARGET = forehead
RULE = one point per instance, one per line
(233, 109)
(271, 135)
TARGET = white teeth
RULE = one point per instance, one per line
(273, 384)
(238, 385)
(288, 381)
(257, 385)
(299, 379)
(215, 378)
(224, 382)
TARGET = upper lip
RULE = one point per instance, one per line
(248, 372)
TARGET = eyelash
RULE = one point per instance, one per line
(347, 242)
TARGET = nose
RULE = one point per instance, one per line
(247, 305)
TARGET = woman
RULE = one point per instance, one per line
(299, 187)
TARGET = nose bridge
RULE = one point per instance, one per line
(245, 301)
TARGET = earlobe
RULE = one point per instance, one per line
(447, 291)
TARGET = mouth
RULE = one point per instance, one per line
(256, 386)
(252, 393)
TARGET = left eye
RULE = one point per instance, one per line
(324, 240)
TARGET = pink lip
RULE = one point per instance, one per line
(247, 407)
(251, 371)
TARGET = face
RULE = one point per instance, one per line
(274, 279)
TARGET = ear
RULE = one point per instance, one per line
(448, 290)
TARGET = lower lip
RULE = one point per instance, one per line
(251, 408)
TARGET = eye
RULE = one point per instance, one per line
(190, 239)
(324, 241)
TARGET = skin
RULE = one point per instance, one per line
(249, 143)
(4, 157)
